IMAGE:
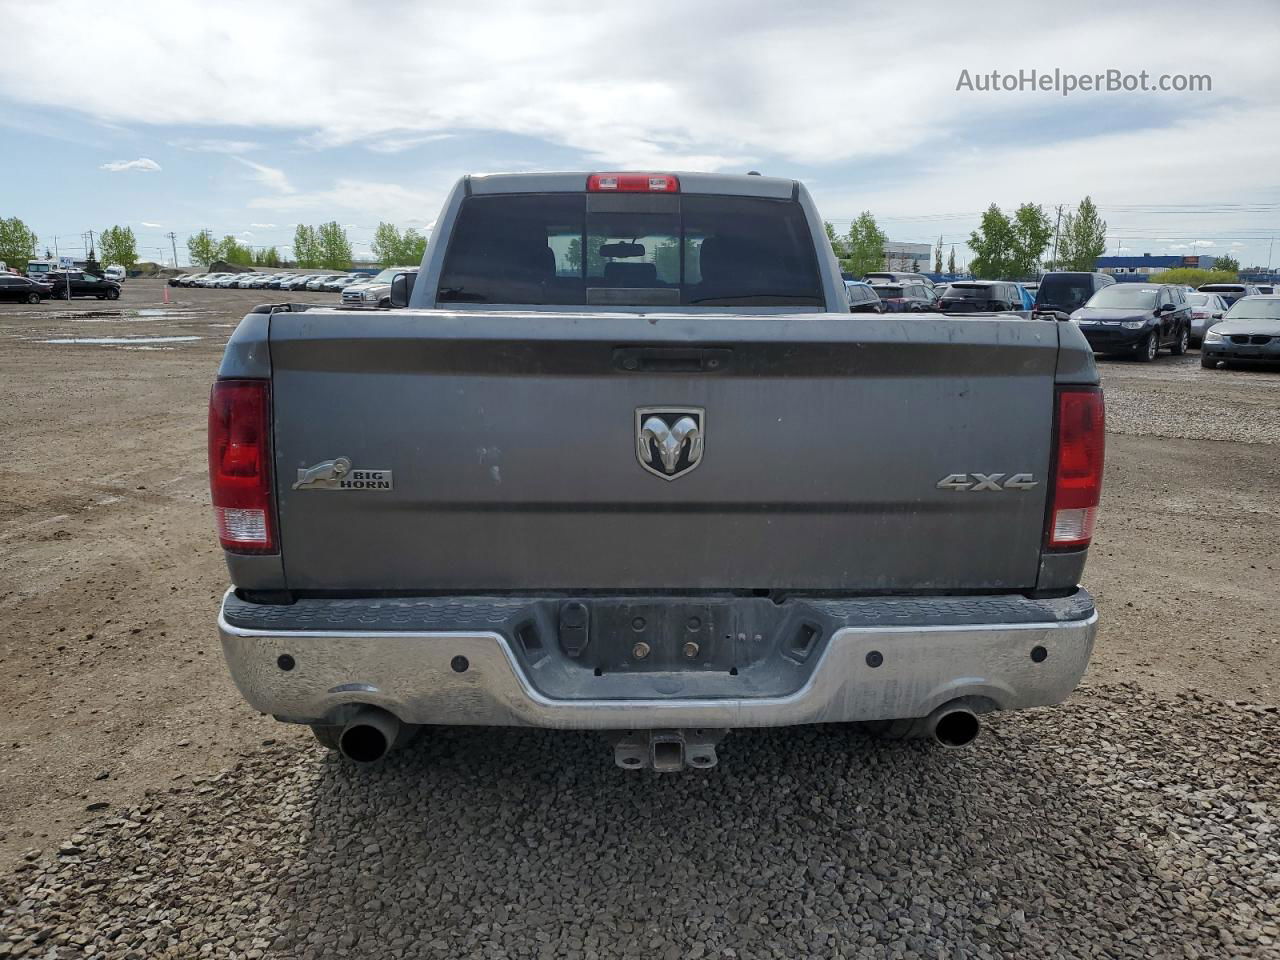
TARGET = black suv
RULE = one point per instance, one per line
(1137, 319)
(1230, 292)
(910, 296)
(22, 289)
(1063, 293)
(76, 283)
(862, 297)
(969, 296)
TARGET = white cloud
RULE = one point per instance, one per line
(702, 87)
(153, 226)
(371, 200)
(215, 145)
(713, 85)
(263, 226)
(397, 143)
(273, 177)
(142, 165)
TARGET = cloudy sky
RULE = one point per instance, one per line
(248, 118)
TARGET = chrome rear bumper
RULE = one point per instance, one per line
(479, 677)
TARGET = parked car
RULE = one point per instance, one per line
(260, 281)
(1230, 292)
(911, 296)
(77, 283)
(1206, 310)
(279, 280)
(318, 282)
(374, 291)
(862, 297)
(246, 281)
(1249, 333)
(970, 296)
(227, 281)
(575, 523)
(1136, 319)
(114, 272)
(1063, 292)
(890, 276)
(335, 284)
(299, 282)
(23, 289)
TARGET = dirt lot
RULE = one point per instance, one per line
(116, 695)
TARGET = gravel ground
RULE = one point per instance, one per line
(1135, 820)
(1120, 825)
(1176, 398)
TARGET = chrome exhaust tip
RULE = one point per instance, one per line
(953, 726)
(370, 735)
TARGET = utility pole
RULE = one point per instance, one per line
(1053, 261)
(173, 242)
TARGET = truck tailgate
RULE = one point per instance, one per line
(513, 444)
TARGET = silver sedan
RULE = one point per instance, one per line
(1206, 310)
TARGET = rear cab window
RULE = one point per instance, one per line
(631, 249)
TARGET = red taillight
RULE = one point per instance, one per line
(1077, 480)
(632, 183)
(240, 465)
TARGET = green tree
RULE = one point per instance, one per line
(17, 243)
(306, 248)
(1032, 231)
(992, 245)
(839, 245)
(1082, 239)
(117, 246)
(1228, 263)
(937, 256)
(413, 247)
(666, 259)
(267, 257)
(573, 255)
(864, 246)
(951, 261)
(386, 244)
(232, 250)
(201, 248)
(334, 247)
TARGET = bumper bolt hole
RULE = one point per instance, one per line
(637, 623)
(874, 659)
(459, 664)
(1039, 654)
(285, 662)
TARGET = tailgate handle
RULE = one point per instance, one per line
(672, 359)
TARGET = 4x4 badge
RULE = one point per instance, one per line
(669, 440)
(339, 475)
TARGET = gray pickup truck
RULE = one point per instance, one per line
(626, 462)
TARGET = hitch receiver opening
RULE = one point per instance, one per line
(667, 751)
